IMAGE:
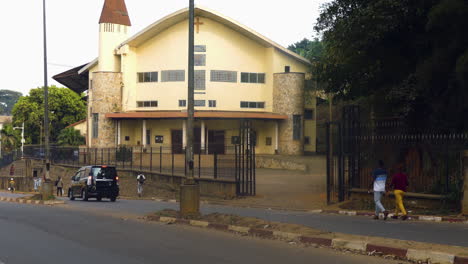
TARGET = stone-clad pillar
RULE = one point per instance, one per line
(465, 184)
(288, 99)
(105, 98)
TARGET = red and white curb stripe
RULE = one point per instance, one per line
(25, 201)
(413, 217)
(336, 243)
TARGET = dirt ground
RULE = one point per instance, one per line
(303, 230)
(286, 189)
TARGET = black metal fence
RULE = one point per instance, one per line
(432, 160)
(163, 159)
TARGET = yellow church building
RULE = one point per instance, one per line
(137, 87)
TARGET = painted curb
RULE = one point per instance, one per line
(399, 252)
(24, 201)
(344, 212)
(425, 218)
(437, 257)
(336, 243)
(346, 244)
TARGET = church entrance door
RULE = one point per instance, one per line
(176, 141)
(216, 141)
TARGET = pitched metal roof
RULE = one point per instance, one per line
(115, 12)
(73, 79)
(181, 15)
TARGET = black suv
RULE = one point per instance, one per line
(95, 182)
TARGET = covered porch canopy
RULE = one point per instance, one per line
(204, 118)
(198, 114)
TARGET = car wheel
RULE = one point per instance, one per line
(113, 198)
(84, 195)
(70, 194)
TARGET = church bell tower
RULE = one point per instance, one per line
(113, 30)
(105, 93)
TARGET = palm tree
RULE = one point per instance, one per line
(10, 138)
(70, 137)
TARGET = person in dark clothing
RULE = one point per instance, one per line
(399, 184)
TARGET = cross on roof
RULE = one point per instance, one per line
(198, 23)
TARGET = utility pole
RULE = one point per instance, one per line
(47, 188)
(46, 95)
(190, 97)
(190, 191)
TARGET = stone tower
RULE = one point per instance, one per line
(105, 93)
(288, 99)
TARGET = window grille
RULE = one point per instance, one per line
(147, 104)
(297, 127)
(245, 104)
(182, 103)
(95, 125)
(200, 60)
(309, 114)
(252, 77)
(173, 76)
(147, 77)
(200, 81)
(223, 76)
(200, 103)
(200, 48)
(212, 103)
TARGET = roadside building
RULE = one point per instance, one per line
(137, 87)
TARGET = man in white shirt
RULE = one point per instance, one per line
(380, 178)
(140, 181)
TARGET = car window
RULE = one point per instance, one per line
(76, 177)
(85, 174)
(104, 173)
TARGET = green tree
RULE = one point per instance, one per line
(404, 55)
(11, 138)
(8, 99)
(70, 137)
(65, 106)
(312, 50)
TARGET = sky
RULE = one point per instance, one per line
(72, 30)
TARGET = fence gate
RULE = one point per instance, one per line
(335, 163)
(342, 154)
(245, 159)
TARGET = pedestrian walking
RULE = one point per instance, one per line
(140, 181)
(11, 185)
(379, 176)
(59, 185)
(36, 183)
(399, 184)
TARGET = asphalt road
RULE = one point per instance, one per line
(438, 233)
(42, 234)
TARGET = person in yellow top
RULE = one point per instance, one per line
(12, 185)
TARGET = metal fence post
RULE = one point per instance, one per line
(160, 159)
(141, 157)
(151, 158)
(131, 157)
(172, 154)
(215, 165)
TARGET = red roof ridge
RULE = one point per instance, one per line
(76, 123)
